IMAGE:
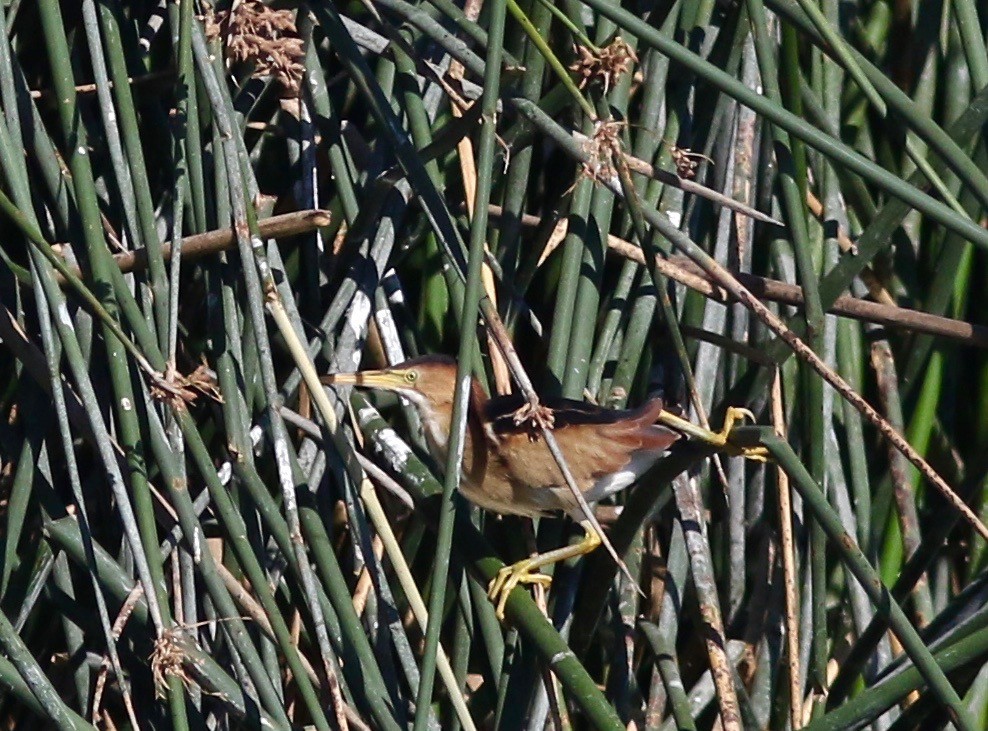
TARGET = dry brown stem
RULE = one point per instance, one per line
(683, 270)
(275, 227)
(870, 279)
(788, 553)
(47, 95)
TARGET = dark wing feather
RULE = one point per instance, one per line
(499, 412)
(596, 441)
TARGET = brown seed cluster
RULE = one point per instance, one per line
(166, 661)
(179, 391)
(687, 162)
(604, 64)
(603, 151)
(263, 37)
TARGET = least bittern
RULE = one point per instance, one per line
(509, 470)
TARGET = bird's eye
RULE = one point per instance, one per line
(411, 376)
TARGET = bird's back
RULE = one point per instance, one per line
(605, 449)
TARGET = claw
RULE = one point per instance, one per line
(735, 414)
(526, 571)
(535, 417)
(718, 439)
(508, 578)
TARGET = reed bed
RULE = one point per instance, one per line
(770, 204)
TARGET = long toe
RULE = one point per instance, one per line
(758, 454)
(507, 579)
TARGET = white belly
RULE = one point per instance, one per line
(617, 481)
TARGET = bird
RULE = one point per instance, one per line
(508, 469)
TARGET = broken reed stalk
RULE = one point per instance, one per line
(221, 239)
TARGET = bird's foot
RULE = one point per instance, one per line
(508, 578)
(536, 417)
(735, 414)
(720, 440)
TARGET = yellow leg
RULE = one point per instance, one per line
(526, 571)
(719, 439)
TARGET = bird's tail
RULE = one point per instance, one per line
(641, 425)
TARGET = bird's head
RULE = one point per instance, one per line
(428, 383)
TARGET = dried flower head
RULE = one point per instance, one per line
(687, 162)
(603, 149)
(604, 64)
(166, 661)
(179, 391)
(263, 37)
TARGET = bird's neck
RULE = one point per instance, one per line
(438, 424)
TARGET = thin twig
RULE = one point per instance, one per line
(787, 549)
(644, 168)
(681, 269)
(723, 278)
(503, 340)
(870, 279)
(365, 581)
(468, 171)
(390, 544)
(86, 89)
(887, 381)
(404, 573)
(846, 305)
